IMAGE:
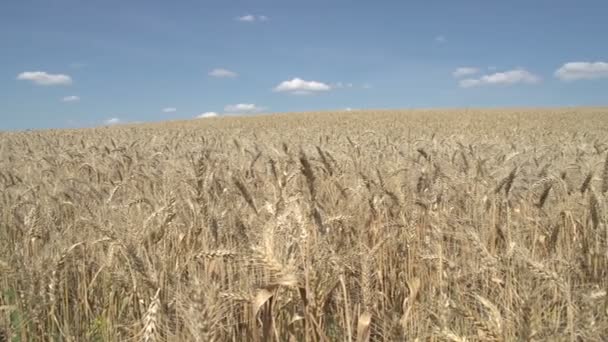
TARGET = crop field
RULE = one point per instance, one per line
(419, 225)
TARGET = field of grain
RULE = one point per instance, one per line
(427, 225)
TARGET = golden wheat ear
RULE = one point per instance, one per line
(151, 322)
(604, 188)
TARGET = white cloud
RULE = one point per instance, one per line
(222, 73)
(246, 17)
(343, 85)
(169, 110)
(582, 71)
(506, 78)
(243, 108)
(71, 98)
(44, 78)
(250, 18)
(465, 71)
(440, 39)
(207, 115)
(112, 121)
(301, 87)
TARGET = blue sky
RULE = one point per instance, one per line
(74, 63)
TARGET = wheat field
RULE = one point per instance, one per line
(419, 225)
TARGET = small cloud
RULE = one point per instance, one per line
(243, 108)
(250, 18)
(112, 121)
(44, 78)
(465, 71)
(510, 77)
(222, 73)
(169, 110)
(299, 86)
(342, 85)
(582, 71)
(366, 86)
(440, 39)
(71, 98)
(207, 115)
(246, 17)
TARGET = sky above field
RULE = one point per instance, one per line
(74, 63)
